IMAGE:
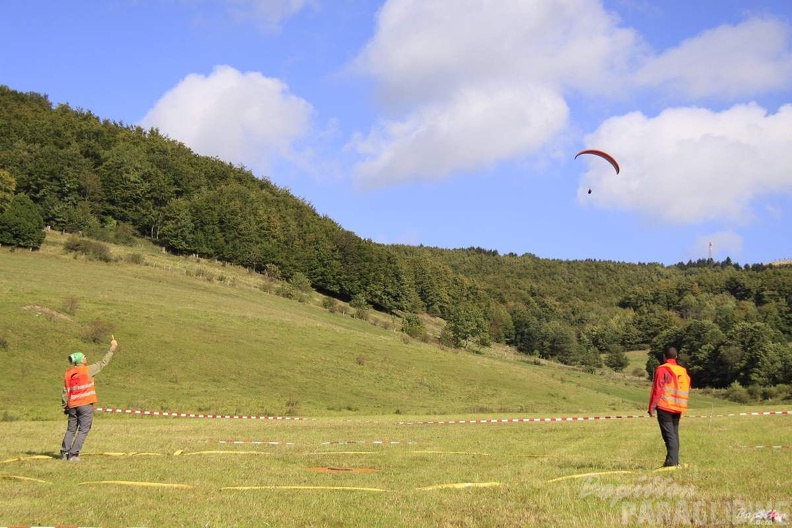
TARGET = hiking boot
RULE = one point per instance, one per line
(74, 458)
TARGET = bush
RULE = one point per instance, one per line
(70, 305)
(447, 338)
(8, 417)
(330, 304)
(285, 290)
(737, 393)
(124, 234)
(91, 249)
(292, 407)
(135, 258)
(777, 392)
(98, 331)
(414, 327)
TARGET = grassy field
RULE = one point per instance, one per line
(146, 471)
(197, 336)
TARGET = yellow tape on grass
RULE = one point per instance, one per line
(132, 483)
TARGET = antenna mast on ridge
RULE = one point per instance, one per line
(710, 250)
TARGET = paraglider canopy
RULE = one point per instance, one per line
(604, 155)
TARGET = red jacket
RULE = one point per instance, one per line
(670, 388)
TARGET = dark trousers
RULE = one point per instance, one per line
(669, 428)
(80, 421)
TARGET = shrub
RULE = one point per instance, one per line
(301, 284)
(272, 272)
(91, 249)
(285, 290)
(777, 392)
(737, 393)
(8, 417)
(362, 314)
(98, 331)
(70, 305)
(292, 407)
(447, 339)
(124, 234)
(330, 304)
(135, 258)
(266, 286)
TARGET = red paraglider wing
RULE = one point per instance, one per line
(601, 154)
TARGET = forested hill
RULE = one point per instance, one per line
(73, 171)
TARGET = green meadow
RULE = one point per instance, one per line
(356, 446)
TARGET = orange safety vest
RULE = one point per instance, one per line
(80, 388)
(676, 392)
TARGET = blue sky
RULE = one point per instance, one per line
(455, 123)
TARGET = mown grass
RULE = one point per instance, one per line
(191, 342)
(516, 465)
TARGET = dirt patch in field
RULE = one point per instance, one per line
(49, 312)
(320, 469)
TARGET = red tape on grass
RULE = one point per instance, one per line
(581, 418)
(167, 414)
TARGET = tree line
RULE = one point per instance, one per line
(73, 171)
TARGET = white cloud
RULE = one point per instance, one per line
(267, 15)
(729, 61)
(474, 128)
(471, 83)
(690, 165)
(446, 74)
(243, 118)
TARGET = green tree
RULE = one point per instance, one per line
(466, 323)
(414, 327)
(761, 361)
(361, 306)
(301, 285)
(559, 343)
(7, 188)
(21, 224)
(617, 360)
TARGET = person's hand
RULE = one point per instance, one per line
(650, 414)
(113, 344)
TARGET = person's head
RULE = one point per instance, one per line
(670, 353)
(77, 358)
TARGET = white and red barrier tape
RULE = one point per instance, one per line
(369, 442)
(255, 442)
(580, 418)
(195, 415)
(432, 422)
(768, 447)
(330, 442)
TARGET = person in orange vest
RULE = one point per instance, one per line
(79, 396)
(669, 399)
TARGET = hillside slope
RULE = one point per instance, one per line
(197, 336)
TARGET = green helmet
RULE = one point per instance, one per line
(76, 358)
